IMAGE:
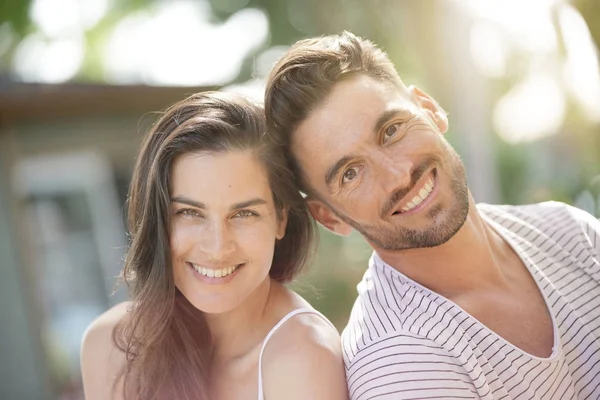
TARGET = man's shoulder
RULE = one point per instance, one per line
(360, 330)
(547, 216)
(534, 209)
(543, 226)
(378, 314)
(378, 294)
(360, 342)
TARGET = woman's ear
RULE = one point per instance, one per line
(282, 223)
(436, 113)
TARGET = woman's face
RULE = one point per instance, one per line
(223, 230)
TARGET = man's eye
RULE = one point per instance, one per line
(246, 214)
(391, 131)
(350, 174)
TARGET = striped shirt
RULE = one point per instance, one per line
(404, 341)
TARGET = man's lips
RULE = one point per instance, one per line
(420, 192)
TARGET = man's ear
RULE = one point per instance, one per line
(436, 113)
(326, 217)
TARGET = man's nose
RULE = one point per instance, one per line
(395, 172)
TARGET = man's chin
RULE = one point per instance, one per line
(404, 238)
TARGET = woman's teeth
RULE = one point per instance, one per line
(215, 273)
(418, 199)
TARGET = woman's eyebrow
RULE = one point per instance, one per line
(252, 202)
(189, 202)
(198, 204)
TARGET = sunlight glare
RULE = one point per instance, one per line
(488, 49)
(49, 61)
(60, 18)
(177, 44)
(582, 70)
(533, 109)
(528, 23)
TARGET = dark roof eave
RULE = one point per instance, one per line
(26, 100)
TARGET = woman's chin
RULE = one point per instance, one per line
(212, 304)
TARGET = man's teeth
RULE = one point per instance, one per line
(215, 273)
(418, 199)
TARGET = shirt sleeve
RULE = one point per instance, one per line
(591, 231)
(407, 367)
(591, 227)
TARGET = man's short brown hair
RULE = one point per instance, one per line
(304, 77)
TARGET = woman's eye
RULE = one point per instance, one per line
(246, 214)
(188, 212)
(350, 174)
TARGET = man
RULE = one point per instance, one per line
(459, 301)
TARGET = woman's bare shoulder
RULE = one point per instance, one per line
(100, 331)
(303, 342)
(307, 328)
(101, 360)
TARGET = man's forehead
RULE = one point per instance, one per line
(343, 123)
(360, 95)
(352, 108)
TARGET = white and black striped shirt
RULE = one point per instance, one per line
(406, 342)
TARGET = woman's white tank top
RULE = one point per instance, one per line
(272, 331)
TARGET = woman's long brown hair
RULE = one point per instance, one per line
(165, 339)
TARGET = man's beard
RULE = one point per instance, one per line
(445, 223)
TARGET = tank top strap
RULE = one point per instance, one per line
(273, 330)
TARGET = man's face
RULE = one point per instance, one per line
(376, 160)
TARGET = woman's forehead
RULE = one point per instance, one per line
(220, 177)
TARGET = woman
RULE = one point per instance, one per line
(216, 226)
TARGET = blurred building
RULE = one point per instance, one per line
(66, 157)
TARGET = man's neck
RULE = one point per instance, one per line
(474, 258)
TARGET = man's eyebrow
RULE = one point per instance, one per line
(252, 202)
(387, 115)
(332, 171)
(189, 202)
